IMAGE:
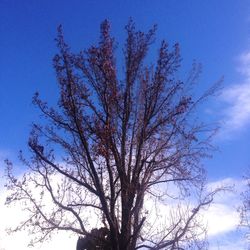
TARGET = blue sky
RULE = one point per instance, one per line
(215, 33)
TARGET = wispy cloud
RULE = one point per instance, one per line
(244, 63)
(237, 98)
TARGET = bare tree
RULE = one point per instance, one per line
(114, 145)
(244, 209)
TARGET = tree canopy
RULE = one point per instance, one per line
(121, 147)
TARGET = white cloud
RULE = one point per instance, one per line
(221, 219)
(10, 216)
(237, 115)
(237, 99)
